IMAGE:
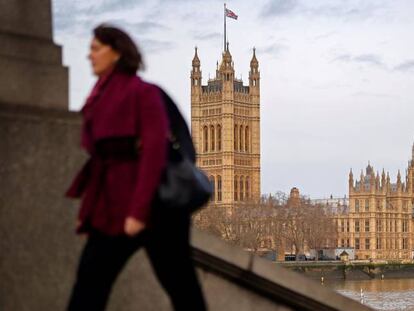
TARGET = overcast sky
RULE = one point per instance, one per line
(337, 86)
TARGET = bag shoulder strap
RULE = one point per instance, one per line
(178, 126)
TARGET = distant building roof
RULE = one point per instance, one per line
(344, 253)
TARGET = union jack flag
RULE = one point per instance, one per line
(231, 14)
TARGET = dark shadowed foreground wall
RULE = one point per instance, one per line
(31, 63)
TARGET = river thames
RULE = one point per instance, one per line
(387, 294)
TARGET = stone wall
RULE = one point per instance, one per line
(351, 270)
(31, 64)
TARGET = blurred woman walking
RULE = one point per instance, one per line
(125, 129)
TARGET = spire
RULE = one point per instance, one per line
(383, 178)
(409, 181)
(254, 62)
(196, 60)
(388, 183)
(226, 53)
(412, 154)
(196, 73)
(369, 169)
(254, 74)
(377, 181)
(226, 62)
(351, 179)
(399, 184)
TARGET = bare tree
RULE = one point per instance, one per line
(218, 221)
(277, 222)
(321, 230)
(251, 217)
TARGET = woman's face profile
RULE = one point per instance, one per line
(103, 57)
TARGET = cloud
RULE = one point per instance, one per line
(66, 15)
(150, 45)
(207, 36)
(331, 9)
(73, 18)
(343, 57)
(278, 8)
(375, 95)
(371, 59)
(142, 28)
(111, 6)
(345, 10)
(70, 16)
(325, 35)
(273, 49)
(78, 19)
(407, 66)
(368, 59)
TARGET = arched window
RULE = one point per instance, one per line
(356, 206)
(212, 138)
(236, 133)
(219, 137)
(247, 187)
(236, 192)
(219, 186)
(241, 188)
(241, 138)
(246, 139)
(213, 185)
(205, 138)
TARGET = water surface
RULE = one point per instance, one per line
(387, 294)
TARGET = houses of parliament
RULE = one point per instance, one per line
(379, 223)
(225, 127)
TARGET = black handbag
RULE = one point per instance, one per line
(183, 186)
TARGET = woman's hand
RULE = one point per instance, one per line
(83, 235)
(133, 226)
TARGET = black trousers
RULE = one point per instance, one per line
(168, 249)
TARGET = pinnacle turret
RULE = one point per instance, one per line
(196, 60)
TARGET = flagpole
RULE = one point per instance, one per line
(224, 26)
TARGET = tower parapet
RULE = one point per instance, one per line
(371, 182)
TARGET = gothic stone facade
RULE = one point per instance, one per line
(225, 126)
(379, 222)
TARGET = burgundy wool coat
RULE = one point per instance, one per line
(112, 189)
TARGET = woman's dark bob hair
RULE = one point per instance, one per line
(130, 60)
